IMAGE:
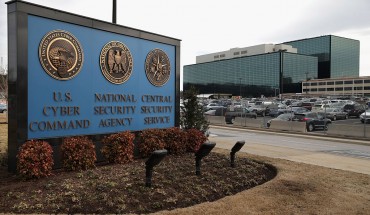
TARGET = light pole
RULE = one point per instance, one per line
(306, 81)
(240, 87)
(282, 71)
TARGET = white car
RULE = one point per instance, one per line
(365, 116)
(213, 106)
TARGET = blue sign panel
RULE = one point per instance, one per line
(75, 97)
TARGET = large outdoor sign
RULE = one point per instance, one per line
(71, 75)
(87, 81)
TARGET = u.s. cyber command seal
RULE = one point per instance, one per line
(157, 67)
(61, 55)
(116, 62)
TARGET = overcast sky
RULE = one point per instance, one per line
(206, 26)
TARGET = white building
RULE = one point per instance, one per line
(351, 86)
(247, 51)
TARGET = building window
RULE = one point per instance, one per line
(330, 89)
(244, 52)
(306, 84)
(330, 83)
(339, 89)
(236, 53)
(339, 82)
(314, 84)
(358, 88)
(222, 55)
(322, 83)
(366, 88)
(367, 81)
(348, 89)
(313, 90)
(348, 82)
(358, 81)
(321, 89)
(216, 56)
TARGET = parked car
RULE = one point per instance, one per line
(334, 113)
(319, 107)
(217, 112)
(274, 112)
(230, 115)
(260, 110)
(307, 105)
(313, 120)
(213, 106)
(365, 116)
(281, 117)
(299, 110)
(354, 109)
(3, 108)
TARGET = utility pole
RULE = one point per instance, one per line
(114, 14)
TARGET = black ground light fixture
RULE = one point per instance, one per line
(238, 145)
(203, 151)
(155, 158)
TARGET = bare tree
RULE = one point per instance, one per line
(4, 86)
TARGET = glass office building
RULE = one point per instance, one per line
(252, 76)
(279, 71)
(337, 56)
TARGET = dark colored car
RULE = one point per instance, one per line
(313, 120)
(230, 115)
(307, 105)
(354, 109)
(299, 110)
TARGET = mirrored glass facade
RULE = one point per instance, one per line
(337, 56)
(251, 76)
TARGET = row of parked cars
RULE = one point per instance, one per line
(316, 114)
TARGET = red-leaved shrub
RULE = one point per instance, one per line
(35, 159)
(119, 148)
(151, 140)
(78, 153)
(195, 139)
(175, 141)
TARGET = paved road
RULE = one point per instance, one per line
(334, 153)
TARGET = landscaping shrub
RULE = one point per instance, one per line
(175, 141)
(195, 139)
(35, 159)
(119, 148)
(151, 140)
(78, 153)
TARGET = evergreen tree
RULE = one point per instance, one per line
(193, 112)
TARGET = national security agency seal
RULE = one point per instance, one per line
(61, 55)
(157, 67)
(116, 62)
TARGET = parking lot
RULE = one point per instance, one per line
(347, 127)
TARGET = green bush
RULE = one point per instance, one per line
(78, 153)
(195, 139)
(35, 159)
(175, 141)
(119, 148)
(151, 140)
